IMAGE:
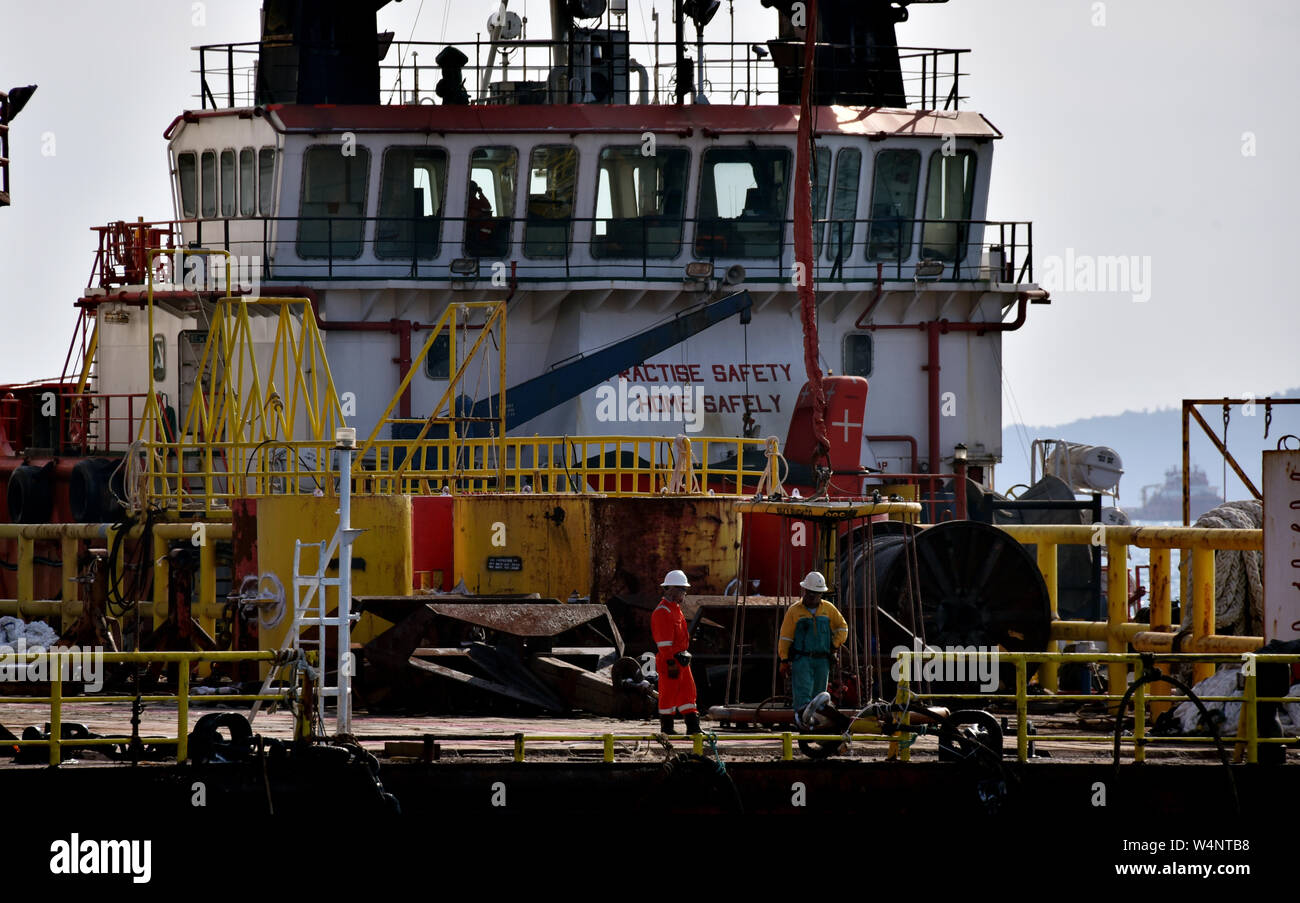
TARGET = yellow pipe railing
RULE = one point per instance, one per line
(56, 662)
(207, 607)
(1117, 631)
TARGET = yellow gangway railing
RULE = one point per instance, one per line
(58, 664)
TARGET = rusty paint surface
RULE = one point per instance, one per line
(638, 540)
(524, 544)
(522, 619)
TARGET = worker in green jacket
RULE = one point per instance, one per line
(811, 632)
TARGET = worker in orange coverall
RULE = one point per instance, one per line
(672, 661)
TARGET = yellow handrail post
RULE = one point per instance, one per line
(609, 747)
(787, 746)
(161, 577)
(1116, 614)
(1022, 709)
(56, 708)
(26, 569)
(69, 548)
(1249, 706)
(182, 710)
(207, 592)
(519, 747)
(1161, 612)
(1202, 605)
(697, 744)
(1047, 559)
(1139, 724)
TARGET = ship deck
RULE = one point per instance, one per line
(481, 738)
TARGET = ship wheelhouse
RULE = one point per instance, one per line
(601, 211)
(567, 197)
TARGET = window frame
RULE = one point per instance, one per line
(204, 155)
(963, 232)
(917, 196)
(413, 149)
(782, 218)
(686, 189)
(191, 212)
(244, 180)
(510, 218)
(831, 218)
(263, 189)
(365, 203)
(221, 182)
(871, 353)
(573, 204)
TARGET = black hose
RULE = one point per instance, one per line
(1151, 675)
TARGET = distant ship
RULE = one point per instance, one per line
(1164, 501)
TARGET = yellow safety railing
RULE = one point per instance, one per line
(1117, 631)
(1246, 736)
(57, 663)
(207, 608)
(262, 381)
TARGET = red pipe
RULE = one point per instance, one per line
(933, 329)
(909, 439)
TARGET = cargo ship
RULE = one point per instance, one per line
(298, 474)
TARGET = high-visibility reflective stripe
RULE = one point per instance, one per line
(689, 707)
(790, 638)
(662, 643)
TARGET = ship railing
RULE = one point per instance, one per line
(642, 248)
(213, 474)
(97, 422)
(28, 540)
(1247, 739)
(62, 668)
(1196, 545)
(525, 72)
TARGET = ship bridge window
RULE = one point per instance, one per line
(821, 174)
(857, 354)
(330, 220)
(893, 205)
(414, 186)
(188, 174)
(490, 201)
(247, 183)
(844, 203)
(640, 203)
(227, 183)
(208, 181)
(744, 195)
(949, 193)
(266, 180)
(552, 180)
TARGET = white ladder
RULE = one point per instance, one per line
(311, 609)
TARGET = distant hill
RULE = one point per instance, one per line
(1150, 442)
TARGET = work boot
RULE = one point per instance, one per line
(666, 724)
(692, 722)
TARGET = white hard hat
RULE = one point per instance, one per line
(815, 582)
(676, 578)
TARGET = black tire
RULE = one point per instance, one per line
(971, 736)
(90, 491)
(207, 745)
(30, 496)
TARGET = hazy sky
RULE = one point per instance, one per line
(1157, 130)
